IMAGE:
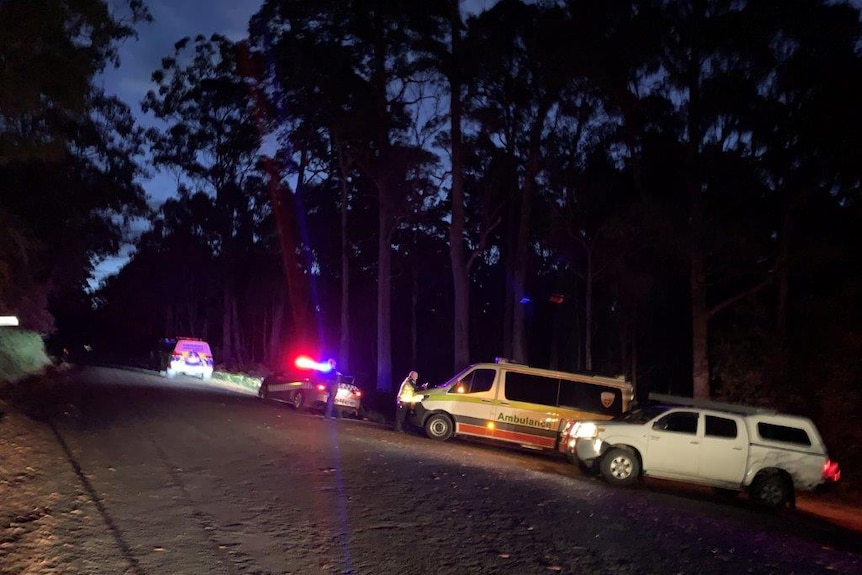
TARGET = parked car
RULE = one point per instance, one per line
(729, 447)
(182, 355)
(307, 390)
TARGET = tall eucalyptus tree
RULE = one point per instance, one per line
(354, 60)
(517, 91)
(211, 137)
(704, 57)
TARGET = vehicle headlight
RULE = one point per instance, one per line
(585, 430)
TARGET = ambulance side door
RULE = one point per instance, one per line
(473, 401)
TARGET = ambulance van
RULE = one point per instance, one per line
(517, 404)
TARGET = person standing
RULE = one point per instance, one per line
(402, 400)
(332, 391)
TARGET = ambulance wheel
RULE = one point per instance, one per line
(298, 400)
(439, 427)
(620, 467)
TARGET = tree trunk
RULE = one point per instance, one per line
(414, 324)
(239, 350)
(783, 274)
(384, 289)
(509, 301)
(286, 225)
(519, 278)
(344, 343)
(699, 326)
(457, 249)
(633, 369)
(576, 329)
(522, 250)
(274, 355)
(588, 311)
(697, 262)
(226, 331)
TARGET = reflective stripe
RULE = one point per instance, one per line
(505, 432)
(283, 386)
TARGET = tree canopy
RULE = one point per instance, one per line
(68, 153)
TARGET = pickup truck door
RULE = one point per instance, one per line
(724, 449)
(673, 446)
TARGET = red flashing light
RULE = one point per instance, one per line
(305, 362)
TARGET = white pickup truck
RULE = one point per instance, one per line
(729, 447)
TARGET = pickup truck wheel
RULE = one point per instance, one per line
(769, 490)
(439, 427)
(620, 467)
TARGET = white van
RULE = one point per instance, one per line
(183, 355)
(517, 404)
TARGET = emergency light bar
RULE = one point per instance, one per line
(305, 362)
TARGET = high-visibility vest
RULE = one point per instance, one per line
(405, 393)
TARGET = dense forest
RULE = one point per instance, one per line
(667, 190)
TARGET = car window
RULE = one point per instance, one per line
(187, 345)
(532, 388)
(678, 422)
(590, 397)
(783, 433)
(720, 427)
(476, 381)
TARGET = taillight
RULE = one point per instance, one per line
(176, 357)
(831, 472)
(321, 387)
(357, 393)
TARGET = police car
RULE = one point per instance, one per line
(306, 387)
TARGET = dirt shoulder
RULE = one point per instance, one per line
(46, 512)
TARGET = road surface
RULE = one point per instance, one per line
(111, 471)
